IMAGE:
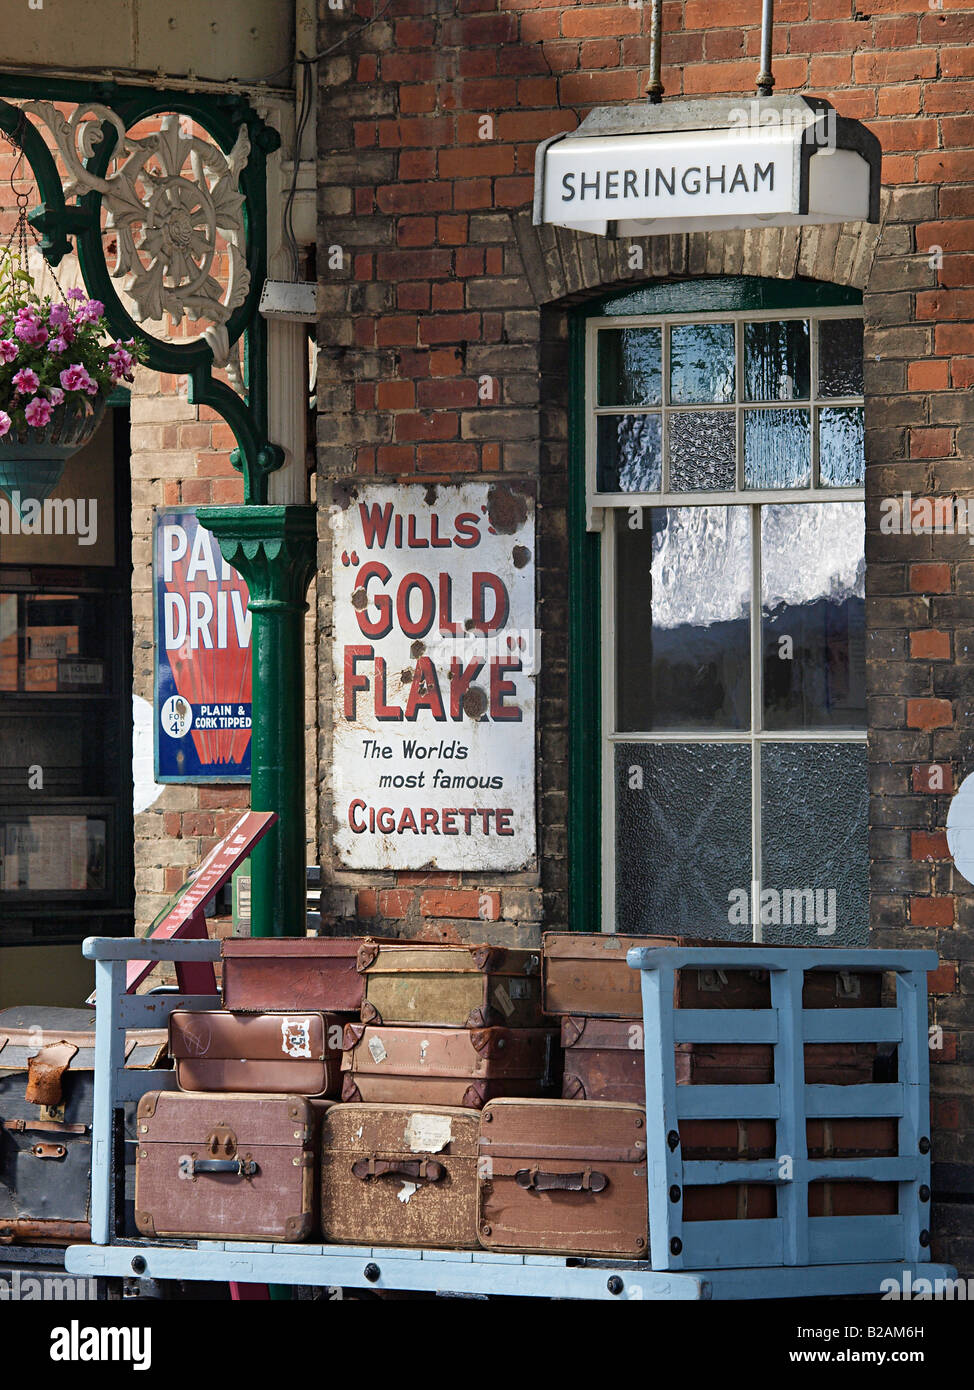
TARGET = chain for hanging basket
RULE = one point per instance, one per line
(22, 229)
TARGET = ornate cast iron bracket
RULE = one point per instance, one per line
(173, 201)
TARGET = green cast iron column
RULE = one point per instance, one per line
(273, 548)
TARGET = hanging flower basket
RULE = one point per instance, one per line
(32, 457)
(56, 373)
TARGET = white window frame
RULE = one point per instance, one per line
(754, 737)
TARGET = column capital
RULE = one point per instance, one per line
(273, 547)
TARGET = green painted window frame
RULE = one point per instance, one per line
(701, 295)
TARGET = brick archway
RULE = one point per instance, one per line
(561, 265)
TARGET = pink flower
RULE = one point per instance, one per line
(38, 411)
(55, 395)
(59, 315)
(26, 381)
(75, 378)
(58, 344)
(75, 294)
(8, 349)
(90, 312)
(4, 422)
(120, 364)
(31, 331)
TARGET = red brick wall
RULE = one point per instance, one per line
(431, 293)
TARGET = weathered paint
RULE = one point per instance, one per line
(435, 654)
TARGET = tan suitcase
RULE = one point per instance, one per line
(563, 1177)
(446, 1066)
(399, 1175)
(451, 986)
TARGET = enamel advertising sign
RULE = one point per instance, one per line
(435, 657)
(203, 676)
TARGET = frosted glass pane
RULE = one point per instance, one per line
(777, 361)
(777, 448)
(702, 369)
(682, 619)
(630, 453)
(813, 615)
(840, 357)
(814, 803)
(842, 459)
(703, 451)
(683, 837)
(630, 364)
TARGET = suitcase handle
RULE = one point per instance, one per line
(240, 1167)
(535, 1180)
(426, 1169)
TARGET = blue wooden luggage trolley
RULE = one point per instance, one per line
(788, 1255)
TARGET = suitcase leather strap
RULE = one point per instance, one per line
(42, 1127)
(45, 1071)
(423, 1169)
(536, 1180)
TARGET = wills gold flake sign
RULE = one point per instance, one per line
(434, 655)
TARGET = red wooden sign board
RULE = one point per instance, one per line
(184, 917)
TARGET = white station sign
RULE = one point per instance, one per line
(765, 164)
(435, 655)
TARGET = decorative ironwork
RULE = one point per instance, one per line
(173, 201)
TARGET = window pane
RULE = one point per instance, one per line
(842, 459)
(683, 837)
(777, 361)
(702, 363)
(630, 453)
(53, 643)
(703, 450)
(840, 357)
(814, 802)
(79, 755)
(52, 854)
(813, 616)
(682, 619)
(630, 366)
(777, 448)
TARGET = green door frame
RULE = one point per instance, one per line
(718, 295)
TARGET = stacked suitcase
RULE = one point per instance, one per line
(589, 985)
(401, 1093)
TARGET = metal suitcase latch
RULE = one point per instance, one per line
(221, 1143)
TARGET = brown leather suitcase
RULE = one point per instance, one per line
(297, 1054)
(399, 1175)
(226, 1167)
(604, 1059)
(273, 974)
(446, 1066)
(586, 973)
(563, 1176)
(451, 986)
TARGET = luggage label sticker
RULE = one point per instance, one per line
(502, 997)
(296, 1037)
(428, 1133)
(377, 1049)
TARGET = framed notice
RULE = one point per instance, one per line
(202, 647)
(435, 658)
